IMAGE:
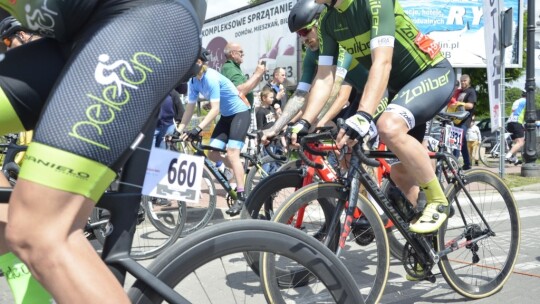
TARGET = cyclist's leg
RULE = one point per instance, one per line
(407, 111)
(74, 156)
(237, 137)
(22, 95)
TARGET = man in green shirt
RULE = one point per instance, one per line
(231, 69)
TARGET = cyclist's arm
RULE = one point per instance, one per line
(320, 91)
(293, 108)
(186, 118)
(339, 95)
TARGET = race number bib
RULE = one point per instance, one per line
(174, 176)
(453, 138)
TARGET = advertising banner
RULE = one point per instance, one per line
(262, 32)
(459, 28)
(492, 11)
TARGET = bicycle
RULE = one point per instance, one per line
(273, 191)
(162, 280)
(466, 233)
(253, 166)
(10, 149)
(489, 153)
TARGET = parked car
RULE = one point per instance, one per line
(485, 130)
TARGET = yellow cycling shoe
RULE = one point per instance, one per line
(432, 218)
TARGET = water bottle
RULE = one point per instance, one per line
(401, 203)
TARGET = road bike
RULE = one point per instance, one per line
(490, 149)
(476, 249)
(9, 150)
(180, 274)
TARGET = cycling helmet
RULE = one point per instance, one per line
(303, 13)
(9, 26)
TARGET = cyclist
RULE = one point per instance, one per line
(515, 126)
(110, 70)
(419, 80)
(232, 127)
(349, 75)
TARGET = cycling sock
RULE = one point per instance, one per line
(24, 287)
(239, 189)
(434, 192)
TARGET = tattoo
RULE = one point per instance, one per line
(333, 95)
(293, 106)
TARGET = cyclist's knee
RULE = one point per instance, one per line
(390, 126)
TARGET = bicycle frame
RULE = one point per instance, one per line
(124, 205)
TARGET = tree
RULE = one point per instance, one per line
(479, 80)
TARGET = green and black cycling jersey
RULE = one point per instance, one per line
(362, 25)
(356, 74)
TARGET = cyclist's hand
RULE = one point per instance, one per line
(356, 127)
(301, 127)
(191, 134)
(267, 135)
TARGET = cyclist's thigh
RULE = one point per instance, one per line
(424, 96)
(122, 68)
(238, 130)
(23, 91)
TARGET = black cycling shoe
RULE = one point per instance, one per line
(238, 204)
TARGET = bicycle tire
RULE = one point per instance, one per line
(482, 278)
(256, 175)
(201, 213)
(148, 241)
(267, 196)
(217, 242)
(487, 154)
(373, 287)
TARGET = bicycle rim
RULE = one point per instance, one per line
(208, 267)
(149, 239)
(366, 255)
(480, 268)
(199, 214)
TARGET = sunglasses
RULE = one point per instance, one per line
(8, 41)
(240, 52)
(303, 32)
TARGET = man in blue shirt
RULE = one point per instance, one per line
(231, 129)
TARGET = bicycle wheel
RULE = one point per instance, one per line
(207, 267)
(148, 241)
(267, 196)
(258, 172)
(367, 257)
(489, 155)
(481, 262)
(199, 214)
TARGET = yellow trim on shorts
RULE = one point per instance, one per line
(9, 120)
(61, 170)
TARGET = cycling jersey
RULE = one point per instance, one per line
(360, 26)
(518, 111)
(123, 57)
(356, 74)
(421, 79)
(217, 88)
(59, 19)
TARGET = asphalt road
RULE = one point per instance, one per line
(523, 285)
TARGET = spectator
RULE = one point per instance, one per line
(515, 126)
(231, 129)
(467, 99)
(165, 121)
(266, 115)
(276, 84)
(231, 69)
(474, 138)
